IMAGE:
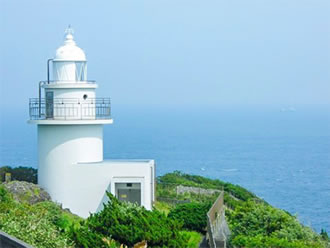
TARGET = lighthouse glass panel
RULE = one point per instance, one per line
(69, 71)
(81, 71)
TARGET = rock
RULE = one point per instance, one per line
(27, 192)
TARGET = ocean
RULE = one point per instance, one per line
(280, 154)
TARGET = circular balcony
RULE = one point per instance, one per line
(70, 109)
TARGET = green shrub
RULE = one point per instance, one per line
(260, 225)
(193, 215)
(4, 195)
(129, 224)
(86, 238)
(66, 222)
(230, 201)
(260, 241)
(194, 238)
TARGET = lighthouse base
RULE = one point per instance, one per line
(128, 180)
(73, 172)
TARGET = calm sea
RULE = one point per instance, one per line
(282, 155)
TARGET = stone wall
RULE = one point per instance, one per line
(188, 189)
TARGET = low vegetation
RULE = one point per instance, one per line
(253, 222)
(170, 180)
(172, 223)
(261, 225)
(192, 215)
(193, 238)
(35, 224)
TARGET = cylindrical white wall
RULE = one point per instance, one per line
(75, 93)
(75, 103)
(62, 145)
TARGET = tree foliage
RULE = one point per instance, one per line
(129, 224)
(324, 235)
(193, 215)
(27, 174)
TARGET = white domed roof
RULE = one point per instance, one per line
(69, 51)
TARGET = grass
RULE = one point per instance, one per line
(194, 238)
(163, 207)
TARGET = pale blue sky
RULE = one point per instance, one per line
(170, 52)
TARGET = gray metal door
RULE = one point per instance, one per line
(130, 195)
(50, 105)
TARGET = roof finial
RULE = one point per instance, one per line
(69, 30)
(69, 35)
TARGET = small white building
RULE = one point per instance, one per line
(70, 121)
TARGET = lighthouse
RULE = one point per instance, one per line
(70, 119)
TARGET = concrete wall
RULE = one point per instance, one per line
(217, 228)
(216, 209)
(89, 181)
(8, 241)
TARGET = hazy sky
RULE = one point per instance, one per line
(174, 52)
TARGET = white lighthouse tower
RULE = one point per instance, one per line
(70, 121)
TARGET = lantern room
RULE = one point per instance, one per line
(69, 64)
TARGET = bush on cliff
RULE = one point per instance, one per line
(34, 224)
(129, 224)
(193, 215)
(261, 225)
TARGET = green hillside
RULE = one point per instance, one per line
(253, 222)
(178, 220)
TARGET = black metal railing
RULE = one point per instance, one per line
(69, 109)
